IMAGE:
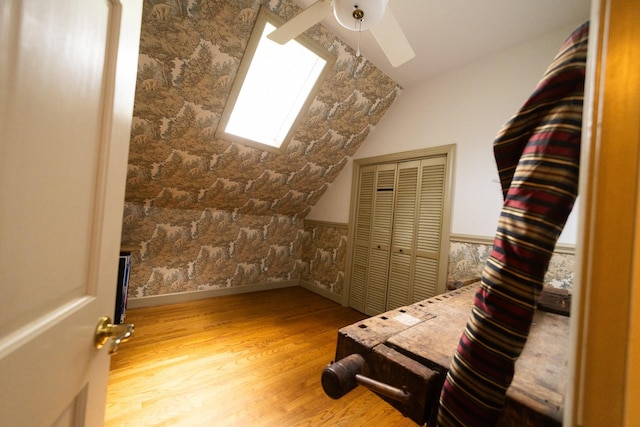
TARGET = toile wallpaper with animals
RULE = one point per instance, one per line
(324, 255)
(467, 260)
(206, 213)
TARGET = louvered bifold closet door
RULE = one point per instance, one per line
(403, 238)
(362, 238)
(383, 200)
(429, 228)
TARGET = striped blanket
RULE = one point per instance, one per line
(537, 153)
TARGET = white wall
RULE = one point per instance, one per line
(467, 107)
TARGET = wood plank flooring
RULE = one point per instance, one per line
(244, 360)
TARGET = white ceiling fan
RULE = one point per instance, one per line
(355, 15)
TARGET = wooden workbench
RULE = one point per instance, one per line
(411, 348)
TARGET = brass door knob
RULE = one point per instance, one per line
(118, 333)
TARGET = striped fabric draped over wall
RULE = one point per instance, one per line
(537, 153)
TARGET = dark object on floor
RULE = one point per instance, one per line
(555, 300)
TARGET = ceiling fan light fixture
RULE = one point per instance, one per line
(371, 12)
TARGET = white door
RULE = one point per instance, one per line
(67, 81)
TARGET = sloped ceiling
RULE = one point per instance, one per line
(189, 55)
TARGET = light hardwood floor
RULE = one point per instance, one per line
(244, 360)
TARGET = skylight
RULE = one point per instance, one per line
(273, 87)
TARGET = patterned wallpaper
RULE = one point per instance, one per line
(210, 213)
(324, 255)
(468, 259)
(189, 250)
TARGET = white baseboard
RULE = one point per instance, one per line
(321, 291)
(166, 299)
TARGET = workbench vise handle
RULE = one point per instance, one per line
(340, 377)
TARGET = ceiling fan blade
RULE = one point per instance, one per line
(392, 40)
(302, 22)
